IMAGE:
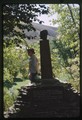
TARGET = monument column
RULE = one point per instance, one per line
(46, 68)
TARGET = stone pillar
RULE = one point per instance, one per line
(46, 68)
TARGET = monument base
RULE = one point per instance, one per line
(50, 82)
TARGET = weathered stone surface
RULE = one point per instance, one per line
(46, 102)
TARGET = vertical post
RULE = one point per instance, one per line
(46, 68)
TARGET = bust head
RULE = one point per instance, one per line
(43, 34)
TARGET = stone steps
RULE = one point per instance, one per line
(49, 101)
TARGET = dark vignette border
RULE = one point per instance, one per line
(1, 37)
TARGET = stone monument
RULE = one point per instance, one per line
(46, 68)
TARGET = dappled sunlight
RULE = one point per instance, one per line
(52, 90)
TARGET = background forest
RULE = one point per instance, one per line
(65, 49)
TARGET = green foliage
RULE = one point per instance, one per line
(11, 94)
(8, 99)
(7, 75)
(13, 61)
(24, 72)
(66, 48)
(15, 14)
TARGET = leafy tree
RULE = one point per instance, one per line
(14, 58)
(19, 14)
(68, 43)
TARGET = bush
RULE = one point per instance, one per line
(7, 75)
(8, 99)
(13, 61)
